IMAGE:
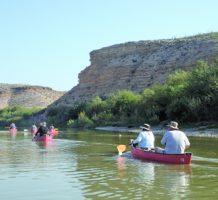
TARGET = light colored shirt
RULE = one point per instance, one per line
(145, 139)
(34, 127)
(175, 142)
(12, 126)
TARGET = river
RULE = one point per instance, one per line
(86, 165)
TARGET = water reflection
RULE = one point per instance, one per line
(43, 144)
(13, 135)
(173, 180)
(146, 173)
(121, 160)
(148, 178)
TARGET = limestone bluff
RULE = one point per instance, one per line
(138, 65)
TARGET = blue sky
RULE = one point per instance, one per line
(47, 42)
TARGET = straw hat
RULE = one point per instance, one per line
(173, 125)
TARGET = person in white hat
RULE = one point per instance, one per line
(174, 140)
(145, 139)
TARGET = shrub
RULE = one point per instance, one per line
(82, 122)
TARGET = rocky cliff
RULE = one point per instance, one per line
(27, 96)
(138, 65)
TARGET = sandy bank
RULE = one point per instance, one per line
(196, 132)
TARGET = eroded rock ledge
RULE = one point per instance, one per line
(138, 65)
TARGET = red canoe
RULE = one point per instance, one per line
(160, 157)
(44, 138)
(13, 130)
(53, 132)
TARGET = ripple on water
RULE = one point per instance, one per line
(87, 169)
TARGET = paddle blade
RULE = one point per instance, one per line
(121, 148)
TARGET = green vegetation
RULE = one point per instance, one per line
(207, 36)
(204, 36)
(187, 96)
(18, 115)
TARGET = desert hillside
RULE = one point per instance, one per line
(27, 96)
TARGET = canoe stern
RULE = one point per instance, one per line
(160, 157)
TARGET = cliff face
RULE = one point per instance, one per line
(27, 96)
(138, 65)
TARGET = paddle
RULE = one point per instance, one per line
(121, 148)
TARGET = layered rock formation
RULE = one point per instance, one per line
(138, 65)
(27, 96)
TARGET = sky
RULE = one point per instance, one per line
(47, 42)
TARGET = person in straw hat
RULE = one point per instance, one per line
(145, 139)
(174, 140)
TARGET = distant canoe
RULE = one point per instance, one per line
(53, 132)
(13, 130)
(160, 157)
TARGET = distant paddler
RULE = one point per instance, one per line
(34, 129)
(12, 128)
(53, 130)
